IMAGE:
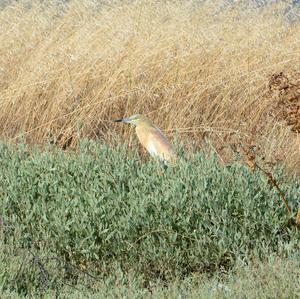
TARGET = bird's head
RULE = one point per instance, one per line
(136, 120)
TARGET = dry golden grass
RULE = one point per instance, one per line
(67, 71)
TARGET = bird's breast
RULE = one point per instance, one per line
(144, 135)
(155, 143)
(152, 149)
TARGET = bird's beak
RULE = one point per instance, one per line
(123, 120)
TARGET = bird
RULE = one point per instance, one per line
(151, 138)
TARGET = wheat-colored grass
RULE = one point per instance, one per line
(200, 71)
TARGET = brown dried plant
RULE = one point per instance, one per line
(68, 69)
(247, 148)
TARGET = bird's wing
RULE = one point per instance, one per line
(158, 145)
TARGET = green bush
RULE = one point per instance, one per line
(103, 208)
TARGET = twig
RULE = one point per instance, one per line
(298, 216)
(273, 181)
(252, 163)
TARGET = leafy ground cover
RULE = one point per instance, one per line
(102, 216)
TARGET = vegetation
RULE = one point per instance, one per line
(103, 210)
(99, 220)
(226, 73)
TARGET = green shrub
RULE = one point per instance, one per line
(104, 208)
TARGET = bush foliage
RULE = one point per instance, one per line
(104, 208)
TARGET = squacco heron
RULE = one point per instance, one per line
(152, 138)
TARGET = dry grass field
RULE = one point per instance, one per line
(99, 221)
(201, 72)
